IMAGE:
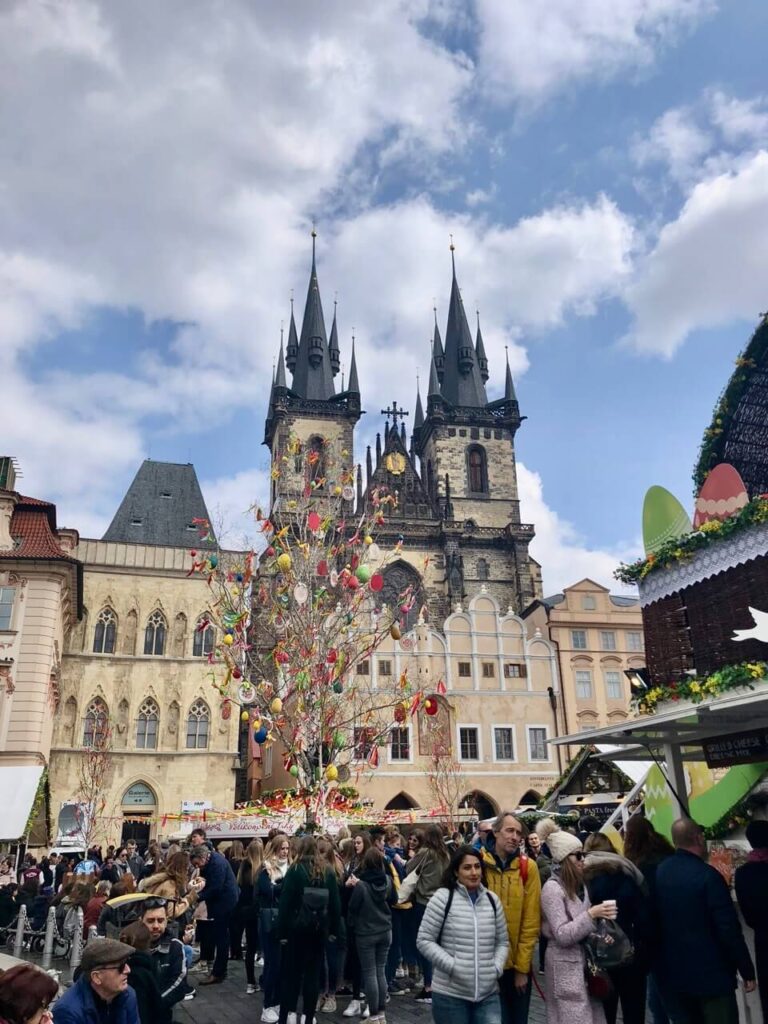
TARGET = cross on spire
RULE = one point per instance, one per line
(394, 412)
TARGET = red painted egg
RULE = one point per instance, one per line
(722, 495)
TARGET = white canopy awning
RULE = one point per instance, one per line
(18, 784)
(688, 725)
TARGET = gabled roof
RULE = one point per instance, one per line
(396, 471)
(159, 508)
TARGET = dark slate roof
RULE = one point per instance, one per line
(159, 508)
(465, 389)
(624, 602)
(313, 377)
(553, 600)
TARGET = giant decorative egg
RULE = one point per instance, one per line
(722, 495)
(664, 518)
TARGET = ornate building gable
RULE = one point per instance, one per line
(395, 470)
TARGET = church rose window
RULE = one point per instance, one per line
(154, 634)
(105, 634)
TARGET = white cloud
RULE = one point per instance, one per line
(739, 120)
(530, 50)
(564, 556)
(677, 141)
(708, 265)
(230, 500)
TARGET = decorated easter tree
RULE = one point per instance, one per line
(289, 626)
(445, 775)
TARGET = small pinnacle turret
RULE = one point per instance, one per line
(509, 384)
(333, 345)
(437, 350)
(292, 352)
(354, 385)
(482, 359)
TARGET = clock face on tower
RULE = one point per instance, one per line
(395, 463)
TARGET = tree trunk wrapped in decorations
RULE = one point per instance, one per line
(290, 625)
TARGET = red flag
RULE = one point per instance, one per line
(441, 687)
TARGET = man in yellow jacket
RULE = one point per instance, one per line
(515, 880)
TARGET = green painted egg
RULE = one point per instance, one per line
(664, 518)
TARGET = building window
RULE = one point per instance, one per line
(583, 684)
(614, 690)
(364, 667)
(385, 667)
(489, 670)
(96, 731)
(400, 744)
(203, 641)
(537, 743)
(634, 641)
(607, 640)
(579, 639)
(266, 763)
(106, 632)
(146, 726)
(363, 743)
(478, 475)
(483, 572)
(154, 634)
(514, 670)
(504, 743)
(588, 602)
(465, 669)
(198, 724)
(469, 743)
(7, 595)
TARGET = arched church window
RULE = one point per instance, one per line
(105, 634)
(154, 634)
(202, 645)
(477, 470)
(402, 582)
(146, 726)
(198, 723)
(96, 727)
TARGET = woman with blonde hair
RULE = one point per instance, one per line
(171, 882)
(277, 860)
(246, 915)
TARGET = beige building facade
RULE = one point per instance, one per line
(137, 668)
(495, 717)
(40, 599)
(598, 637)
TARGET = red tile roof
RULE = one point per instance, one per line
(32, 527)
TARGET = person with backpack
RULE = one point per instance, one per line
(464, 936)
(568, 918)
(370, 919)
(308, 913)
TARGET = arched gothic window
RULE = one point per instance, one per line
(198, 722)
(154, 634)
(483, 573)
(399, 579)
(105, 634)
(96, 728)
(477, 470)
(146, 726)
(202, 645)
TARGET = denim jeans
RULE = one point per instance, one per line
(514, 1004)
(452, 1010)
(395, 954)
(271, 980)
(424, 964)
(372, 950)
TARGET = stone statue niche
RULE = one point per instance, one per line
(129, 634)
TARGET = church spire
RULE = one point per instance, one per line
(333, 344)
(434, 383)
(354, 385)
(462, 383)
(437, 349)
(313, 374)
(418, 416)
(509, 384)
(482, 359)
(280, 381)
(292, 352)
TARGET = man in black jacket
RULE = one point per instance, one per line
(701, 946)
(168, 954)
(751, 884)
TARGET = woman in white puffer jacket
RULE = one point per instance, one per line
(464, 935)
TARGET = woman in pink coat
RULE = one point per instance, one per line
(568, 918)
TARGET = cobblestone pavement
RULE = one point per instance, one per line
(229, 1004)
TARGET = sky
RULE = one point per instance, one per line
(601, 166)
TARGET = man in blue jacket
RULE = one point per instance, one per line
(101, 994)
(220, 894)
(701, 946)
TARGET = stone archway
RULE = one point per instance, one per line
(481, 803)
(401, 802)
(139, 806)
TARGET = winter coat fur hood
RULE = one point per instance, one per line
(599, 863)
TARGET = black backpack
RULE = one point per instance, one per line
(312, 918)
(448, 903)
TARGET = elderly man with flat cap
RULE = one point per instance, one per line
(101, 994)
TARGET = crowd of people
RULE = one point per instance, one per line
(465, 923)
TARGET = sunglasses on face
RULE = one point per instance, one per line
(120, 968)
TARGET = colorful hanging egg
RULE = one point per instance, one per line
(331, 773)
(276, 706)
(294, 770)
(723, 494)
(284, 562)
(664, 518)
(300, 593)
(363, 573)
(348, 493)
(394, 631)
(313, 521)
(244, 716)
(431, 707)
(338, 686)
(260, 735)
(322, 567)
(377, 582)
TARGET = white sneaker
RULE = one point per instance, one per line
(401, 973)
(250, 989)
(354, 1009)
(292, 1019)
(328, 1005)
(271, 1015)
(259, 961)
(365, 1013)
